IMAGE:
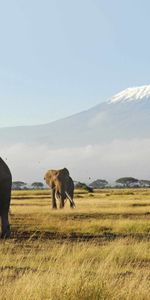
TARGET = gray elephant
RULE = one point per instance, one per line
(5, 196)
(62, 186)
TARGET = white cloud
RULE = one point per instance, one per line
(110, 161)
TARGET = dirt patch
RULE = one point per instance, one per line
(29, 204)
(140, 204)
(75, 236)
(35, 197)
(17, 269)
(84, 216)
(124, 274)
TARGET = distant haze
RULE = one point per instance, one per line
(107, 141)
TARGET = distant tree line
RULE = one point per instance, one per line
(123, 182)
(129, 182)
(20, 185)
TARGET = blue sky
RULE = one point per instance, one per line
(61, 57)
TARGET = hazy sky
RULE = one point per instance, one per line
(60, 57)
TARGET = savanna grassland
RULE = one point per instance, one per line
(100, 250)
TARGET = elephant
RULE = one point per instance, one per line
(62, 186)
(5, 196)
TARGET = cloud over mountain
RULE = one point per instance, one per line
(109, 140)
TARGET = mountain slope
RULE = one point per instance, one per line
(124, 116)
(111, 140)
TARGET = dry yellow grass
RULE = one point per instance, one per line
(100, 250)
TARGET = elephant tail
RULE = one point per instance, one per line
(70, 199)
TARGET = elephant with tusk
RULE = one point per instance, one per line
(62, 186)
(5, 196)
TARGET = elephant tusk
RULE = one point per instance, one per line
(57, 197)
(70, 199)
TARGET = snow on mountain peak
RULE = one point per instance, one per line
(132, 94)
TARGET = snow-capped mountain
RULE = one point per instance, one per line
(114, 135)
(132, 94)
(125, 115)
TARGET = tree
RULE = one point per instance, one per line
(37, 185)
(99, 183)
(18, 185)
(84, 186)
(144, 183)
(127, 181)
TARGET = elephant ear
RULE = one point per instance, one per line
(47, 177)
(51, 176)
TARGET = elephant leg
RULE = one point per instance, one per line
(62, 202)
(54, 205)
(5, 226)
(5, 195)
(72, 205)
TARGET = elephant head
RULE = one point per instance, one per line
(5, 195)
(53, 177)
(62, 186)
